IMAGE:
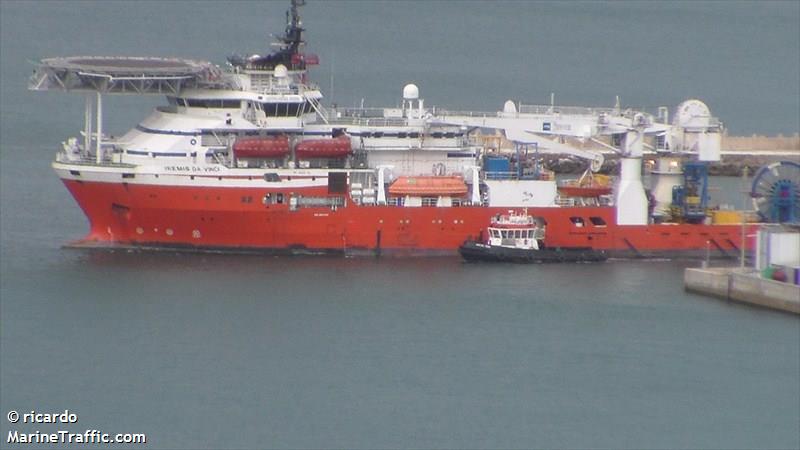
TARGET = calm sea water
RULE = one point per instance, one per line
(216, 351)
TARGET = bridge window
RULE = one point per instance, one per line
(286, 109)
(577, 221)
(209, 103)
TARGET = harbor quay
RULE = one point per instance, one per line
(745, 286)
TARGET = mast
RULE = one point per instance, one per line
(293, 37)
(289, 47)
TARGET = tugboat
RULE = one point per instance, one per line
(519, 238)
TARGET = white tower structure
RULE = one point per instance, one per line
(411, 93)
(668, 173)
(696, 131)
(629, 194)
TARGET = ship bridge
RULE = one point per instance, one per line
(98, 75)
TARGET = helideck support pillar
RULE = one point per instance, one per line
(99, 149)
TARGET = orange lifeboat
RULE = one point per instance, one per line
(338, 147)
(261, 147)
(428, 186)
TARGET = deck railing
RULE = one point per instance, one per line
(109, 159)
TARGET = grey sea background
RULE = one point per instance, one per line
(232, 351)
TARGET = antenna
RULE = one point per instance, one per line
(293, 36)
(333, 67)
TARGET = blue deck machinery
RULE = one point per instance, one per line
(690, 200)
(776, 192)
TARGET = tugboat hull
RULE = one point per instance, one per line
(475, 251)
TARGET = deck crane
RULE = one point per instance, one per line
(694, 131)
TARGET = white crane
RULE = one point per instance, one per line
(694, 131)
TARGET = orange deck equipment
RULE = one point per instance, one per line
(428, 186)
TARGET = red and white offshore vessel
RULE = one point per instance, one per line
(248, 159)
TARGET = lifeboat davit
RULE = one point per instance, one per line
(261, 147)
(428, 186)
(338, 147)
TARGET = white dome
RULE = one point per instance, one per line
(281, 71)
(410, 92)
(509, 107)
(692, 113)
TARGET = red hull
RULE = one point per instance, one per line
(235, 218)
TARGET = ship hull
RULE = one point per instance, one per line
(234, 219)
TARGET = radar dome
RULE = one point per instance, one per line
(410, 92)
(509, 107)
(281, 71)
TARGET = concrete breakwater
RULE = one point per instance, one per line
(738, 153)
(757, 143)
(731, 165)
(745, 287)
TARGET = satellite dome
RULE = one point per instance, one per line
(509, 107)
(281, 71)
(410, 92)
